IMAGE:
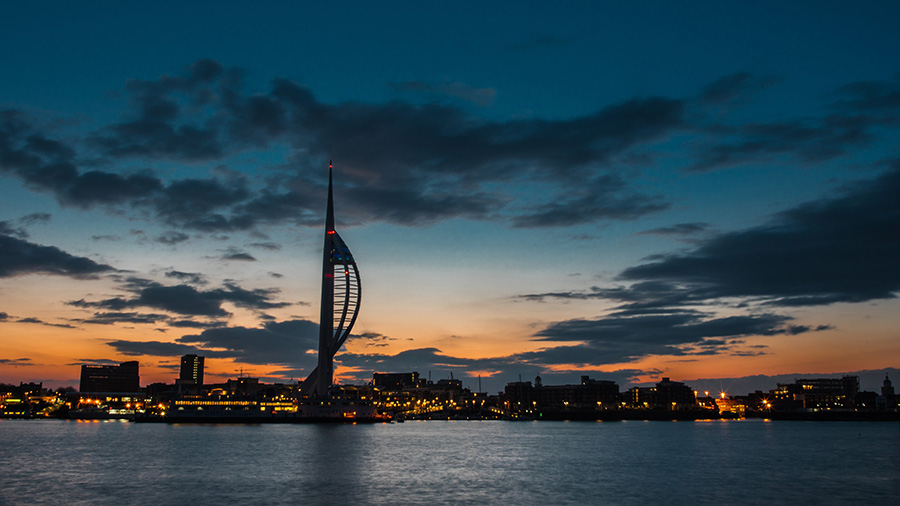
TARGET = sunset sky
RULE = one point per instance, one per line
(621, 190)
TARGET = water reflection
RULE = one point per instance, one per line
(54, 462)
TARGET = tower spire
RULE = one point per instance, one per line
(329, 213)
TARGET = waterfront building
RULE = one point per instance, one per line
(674, 395)
(409, 395)
(243, 386)
(122, 378)
(731, 408)
(590, 394)
(817, 394)
(191, 370)
(518, 396)
(666, 394)
(397, 380)
(639, 397)
(887, 389)
(26, 400)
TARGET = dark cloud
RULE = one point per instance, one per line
(234, 254)
(160, 349)
(35, 218)
(112, 238)
(615, 339)
(605, 197)
(874, 97)
(842, 249)
(193, 324)
(19, 257)
(813, 140)
(17, 228)
(726, 89)
(642, 297)
(418, 207)
(110, 318)
(6, 228)
(187, 300)
(371, 339)
(404, 163)
(159, 128)
(180, 299)
(479, 96)
(38, 321)
(195, 203)
(654, 318)
(268, 246)
(95, 361)
(16, 362)
(853, 119)
(290, 342)
(4, 316)
(416, 359)
(681, 229)
(172, 237)
(194, 278)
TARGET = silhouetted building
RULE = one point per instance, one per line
(191, 370)
(639, 397)
(122, 378)
(887, 389)
(589, 394)
(666, 394)
(243, 386)
(518, 396)
(450, 385)
(674, 394)
(817, 393)
(396, 380)
(869, 401)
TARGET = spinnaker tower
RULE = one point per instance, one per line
(341, 294)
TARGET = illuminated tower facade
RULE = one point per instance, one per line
(341, 293)
(191, 369)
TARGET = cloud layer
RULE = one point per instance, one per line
(401, 162)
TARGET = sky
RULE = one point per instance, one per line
(703, 191)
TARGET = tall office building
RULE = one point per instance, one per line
(122, 378)
(341, 293)
(191, 369)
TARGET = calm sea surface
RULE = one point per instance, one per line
(487, 462)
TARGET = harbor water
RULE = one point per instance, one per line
(451, 462)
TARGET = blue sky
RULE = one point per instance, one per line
(625, 191)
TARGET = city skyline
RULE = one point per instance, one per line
(625, 192)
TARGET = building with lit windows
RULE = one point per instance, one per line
(191, 370)
(122, 378)
(817, 393)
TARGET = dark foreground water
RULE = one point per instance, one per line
(489, 462)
